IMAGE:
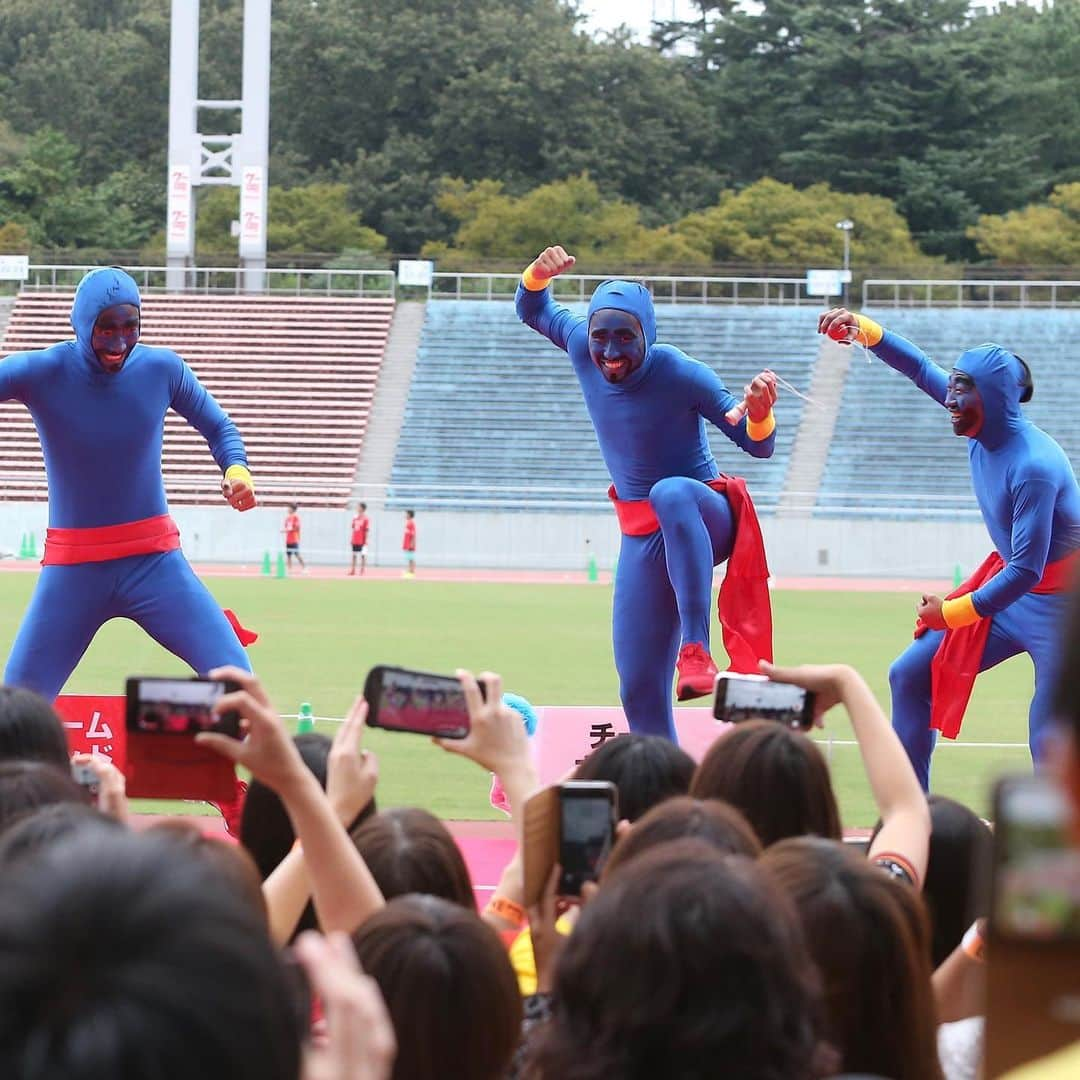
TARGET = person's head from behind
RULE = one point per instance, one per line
(956, 889)
(409, 850)
(123, 958)
(646, 769)
(27, 785)
(776, 776)
(687, 962)
(869, 935)
(49, 825)
(30, 729)
(448, 986)
(292, 508)
(711, 821)
(410, 514)
(361, 507)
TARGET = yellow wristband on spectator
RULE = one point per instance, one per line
(532, 282)
(959, 611)
(241, 474)
(870, 332)
(506, 909)
(761, 429)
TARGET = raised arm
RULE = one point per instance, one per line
(899, 353)
(749, 422)
(535, 305)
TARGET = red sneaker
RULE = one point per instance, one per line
(697, 672)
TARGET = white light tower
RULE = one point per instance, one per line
(845, 227)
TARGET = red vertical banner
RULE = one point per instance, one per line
(94, 724)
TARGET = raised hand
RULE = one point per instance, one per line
(551, 262)
(839, 324)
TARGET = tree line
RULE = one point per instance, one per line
(479, 130)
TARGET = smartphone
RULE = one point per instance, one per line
(86, 778)
(164, 706)
(754, 697)
(588, 813)
(1033, 951)
(420, 702)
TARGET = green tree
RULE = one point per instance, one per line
(1038, 235)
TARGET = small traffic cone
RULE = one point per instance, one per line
(957, 577)
(22, 547)
(305, 719)
(281, 565)
(593, 575)
(266, 564)
(31, 546)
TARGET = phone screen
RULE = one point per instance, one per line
(586, 837)
(753, 697)
(1036, 886)
(417, 701)
(161, 706)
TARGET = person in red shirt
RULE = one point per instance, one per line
(291, 529)
(360, 526)
(408, 544)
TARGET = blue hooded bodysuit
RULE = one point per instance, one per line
(1030, 502)
(101, 437)
(651, 431)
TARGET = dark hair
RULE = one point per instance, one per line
(687, 963)
(870, 938)
(30, 730)
(957, 886)
(448, 986)
(362, 506)
(776, 776)
(410, 513)
(265, 829)
(1027, 380)
(716, 823)
(26, 785)
(292, 506)
(231, 862)
(48, 825)
(646, 769)
(409, 850)
(122, 957)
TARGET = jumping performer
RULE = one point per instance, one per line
(1030, 503)
(112, 550)
(678, 515)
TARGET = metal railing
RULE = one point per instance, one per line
(1003, 293)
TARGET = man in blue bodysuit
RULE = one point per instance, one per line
(1030, 502)
(112, 550)
(679, 518)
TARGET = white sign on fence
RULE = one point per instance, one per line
(826, 282)
(14, 267)
(415, 272)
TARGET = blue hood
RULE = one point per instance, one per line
(630, 297)
(1000, 378)
(100, 289)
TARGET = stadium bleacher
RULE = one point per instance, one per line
(893, 453)
(296, 373)
(494, 406)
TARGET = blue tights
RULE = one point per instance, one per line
(663, 596)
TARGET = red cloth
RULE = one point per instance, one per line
(68, 547)
(743, 606)
(360, 529)
(409, 542)
(292, 529)
(247, 637)
(957, 659)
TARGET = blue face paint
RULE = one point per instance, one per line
(616, 343)
(965, 404)
(115, 334)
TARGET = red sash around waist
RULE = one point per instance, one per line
(67, 547)
(957, 659)
(743, 606)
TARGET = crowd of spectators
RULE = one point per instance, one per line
(732, 932)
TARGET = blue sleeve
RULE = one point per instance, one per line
(1033, 519)
(714, 401)
(539, 310)
(199, 408)
(13, 372)
(901, 355)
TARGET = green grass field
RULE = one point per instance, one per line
(550, 643)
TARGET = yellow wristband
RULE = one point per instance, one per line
(506, 909)
(960, 611)
(761, 429)
(240, 473)
(532, 282)
(870, 332)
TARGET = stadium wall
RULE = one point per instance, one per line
(796, 546)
